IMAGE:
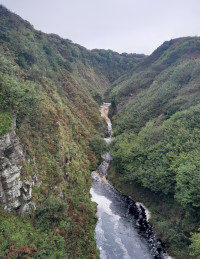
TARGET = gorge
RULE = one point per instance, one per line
(122, 230)
(52, 137)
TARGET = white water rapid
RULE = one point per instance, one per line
(122, 230)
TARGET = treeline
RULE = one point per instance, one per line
(164, 157)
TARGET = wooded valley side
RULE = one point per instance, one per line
(51, 137)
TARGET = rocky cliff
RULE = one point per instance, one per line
(15, 193)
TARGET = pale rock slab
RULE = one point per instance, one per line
(15, 194)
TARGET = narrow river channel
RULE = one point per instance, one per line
(122, 230)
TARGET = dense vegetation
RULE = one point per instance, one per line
(156, 146)
(53, 88)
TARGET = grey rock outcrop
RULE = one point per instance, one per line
(15, 194)
(103, 168)
(107, 157)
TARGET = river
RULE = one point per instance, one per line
(122, 230)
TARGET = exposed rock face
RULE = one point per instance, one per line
(15, 195)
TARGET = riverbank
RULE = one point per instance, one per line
(117, 232)
(166, 216)
(140, 240)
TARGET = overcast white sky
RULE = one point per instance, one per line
(132, 26)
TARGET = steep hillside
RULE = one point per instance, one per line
(156, 146)
(50, 140)
(164, 78)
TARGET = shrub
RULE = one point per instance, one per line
(5, 122)
(51, 212)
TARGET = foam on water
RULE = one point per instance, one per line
(147, 212)
(116, 235)
(104, 207)
(108, 140)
